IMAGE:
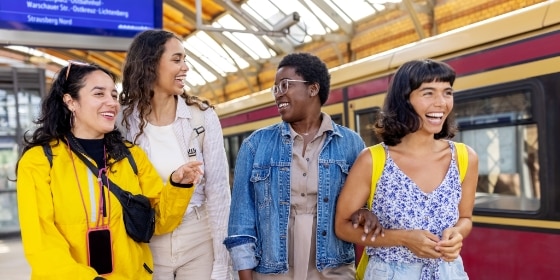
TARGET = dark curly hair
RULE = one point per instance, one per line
(140, 73)
(53, 123)
(312, 69)
(398, 116)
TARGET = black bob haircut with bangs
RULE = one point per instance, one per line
(398, 116)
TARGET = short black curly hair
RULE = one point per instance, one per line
(312, 69)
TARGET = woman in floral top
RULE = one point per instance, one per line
(424, 208)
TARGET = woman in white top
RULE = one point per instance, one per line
(173, 127)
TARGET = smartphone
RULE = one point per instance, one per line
(100, 250)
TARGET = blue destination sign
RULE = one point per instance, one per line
(119, 18)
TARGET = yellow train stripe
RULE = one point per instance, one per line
(517, 222)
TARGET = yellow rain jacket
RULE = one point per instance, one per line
(53, 213)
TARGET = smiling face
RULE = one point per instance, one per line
(432, 102)
(172, 69)
(96, 108)
(298, 101)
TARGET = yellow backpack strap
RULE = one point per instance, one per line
(462, 159)
(378, 163)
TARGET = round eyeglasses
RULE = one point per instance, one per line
(282, 86)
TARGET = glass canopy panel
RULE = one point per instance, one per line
(199, 75)
(354, 9)
(322, 16)
(208, 50)
(266, 11)
(246, 41)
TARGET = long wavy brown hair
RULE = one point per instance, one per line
(140, 73)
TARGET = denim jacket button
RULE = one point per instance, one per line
(324, 233)
(326, 199)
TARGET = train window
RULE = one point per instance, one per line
(365, 120)
(232, 144)
(337, 119)
(501, 129)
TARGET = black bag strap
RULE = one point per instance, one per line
(117, 191)
(48, 153)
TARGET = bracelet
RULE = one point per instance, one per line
(179, 185)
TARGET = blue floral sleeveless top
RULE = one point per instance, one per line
(400, 204)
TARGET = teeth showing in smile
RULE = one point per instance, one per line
(282, 105)
(435, 115)
(108, 114)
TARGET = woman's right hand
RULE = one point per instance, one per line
(422, 243)
(188, 173)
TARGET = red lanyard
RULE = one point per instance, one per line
(102, 211)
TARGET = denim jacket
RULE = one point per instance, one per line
(260, 209)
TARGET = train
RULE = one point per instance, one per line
(507, 108)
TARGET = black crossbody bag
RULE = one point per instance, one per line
(138, 214)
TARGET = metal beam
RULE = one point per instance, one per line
(217, 36)
(210, 69)
(251, 61)
(188, 15)
(414, 16)
(281, 44)
(243, 74)
(201, 26)
(220, 38)
(207, 83)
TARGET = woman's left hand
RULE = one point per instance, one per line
(450, 244)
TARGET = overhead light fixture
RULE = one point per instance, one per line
(288, 21)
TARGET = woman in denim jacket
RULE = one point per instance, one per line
(287, 179)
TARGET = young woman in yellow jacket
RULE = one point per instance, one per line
(72, 224)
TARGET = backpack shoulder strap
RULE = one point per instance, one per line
(131, 161)
(462, 159)
(48, 152)
(197, 123)
(378, 163)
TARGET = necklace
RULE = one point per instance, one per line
(314, 130)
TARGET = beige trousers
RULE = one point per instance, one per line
(187, 252)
